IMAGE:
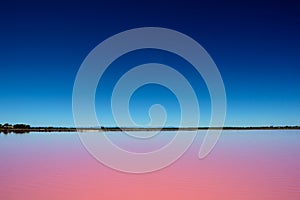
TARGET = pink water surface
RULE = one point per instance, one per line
(244, 165)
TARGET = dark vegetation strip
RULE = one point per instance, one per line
(24, 128)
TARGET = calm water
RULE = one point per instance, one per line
(243, 165)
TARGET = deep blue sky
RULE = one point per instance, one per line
(256, 46)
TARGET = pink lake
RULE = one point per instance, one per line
(243, 165)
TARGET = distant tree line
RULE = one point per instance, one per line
(15, 126)
(25, 128)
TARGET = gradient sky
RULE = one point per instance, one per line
(254, 44)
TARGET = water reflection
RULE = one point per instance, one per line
(244, 165)
(8, 131)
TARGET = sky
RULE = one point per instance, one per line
(254, 44)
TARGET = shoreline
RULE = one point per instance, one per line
(114, 129)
